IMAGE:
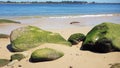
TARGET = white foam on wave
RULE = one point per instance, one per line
(79, 16)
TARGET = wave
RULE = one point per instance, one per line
(79, 16)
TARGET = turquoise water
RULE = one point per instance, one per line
(57, 9)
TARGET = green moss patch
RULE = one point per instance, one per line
(17, 57)
(45, 54)
(7, 21)
(3, 62)
(76, 38)
(28, 37)
(104, 37)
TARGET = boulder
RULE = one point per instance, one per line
(74, 22)
(45, 54)
(8, 21)
(28, 37)
(17, 57)
(104, 37)
(76, 38)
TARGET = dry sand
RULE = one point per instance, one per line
(73, 56)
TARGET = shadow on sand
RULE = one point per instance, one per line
(9, 47)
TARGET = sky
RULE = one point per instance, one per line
(103, 1)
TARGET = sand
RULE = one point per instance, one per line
(73, 56)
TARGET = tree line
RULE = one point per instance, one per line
(47, 2)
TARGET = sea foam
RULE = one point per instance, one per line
(79, 16)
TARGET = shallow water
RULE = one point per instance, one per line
(57, 9)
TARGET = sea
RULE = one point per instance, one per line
(8, 10)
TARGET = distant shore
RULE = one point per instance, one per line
(53, 2)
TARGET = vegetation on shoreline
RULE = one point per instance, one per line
(47, 2)
(51, 2)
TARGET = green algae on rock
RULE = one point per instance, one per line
(4, 36)
(45, 54)
(3, 62)
(17, 57)
(104, 37)
(7, 21)
(28, 37)
(76, 38)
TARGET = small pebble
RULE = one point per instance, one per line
(19, 65)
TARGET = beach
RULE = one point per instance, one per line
(73, 56)
(60, 22)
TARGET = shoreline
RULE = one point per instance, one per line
(84, 15)
(60, 22)
(63, 16)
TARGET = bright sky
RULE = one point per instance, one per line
(108, 1)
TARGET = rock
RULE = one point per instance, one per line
(3, 62)
(17, 57)
(28, 37)
(104, 38)
(45, 54)
(75, 22)
(19, 65)
(8, 21)
(76, 38)
(116, 65)
(4, 36)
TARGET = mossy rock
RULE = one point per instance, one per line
(45, 54)
(7, 21)
(3, 62)
(17, 57)
(76, 38)
(104, 37)
(4, 36)
(28, 37)
(116, 65)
